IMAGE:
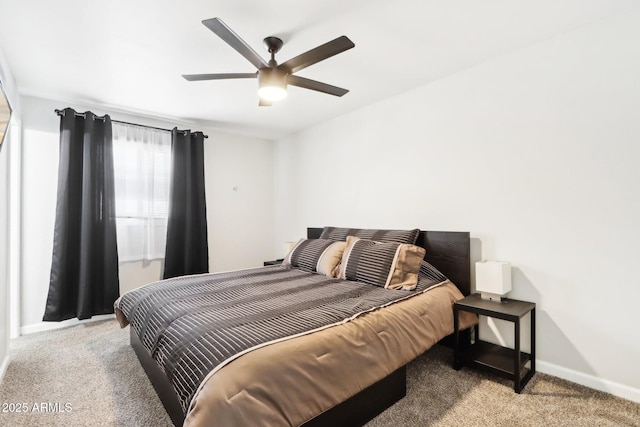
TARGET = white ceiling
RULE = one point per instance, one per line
(129, 56)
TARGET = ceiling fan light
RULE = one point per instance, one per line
(272, 93)
(272, 85)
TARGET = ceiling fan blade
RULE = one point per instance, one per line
(225, 33)
(264, 103)
(315, 85)
(220, 76)
(317, 54)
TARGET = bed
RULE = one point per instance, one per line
(341, 365)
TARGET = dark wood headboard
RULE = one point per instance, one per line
(448, 251)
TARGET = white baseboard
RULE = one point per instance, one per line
(614, 388)
(49, 326)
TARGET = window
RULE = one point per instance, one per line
(142, 166)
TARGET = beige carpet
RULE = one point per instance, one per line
(88, 375)
(90, 367)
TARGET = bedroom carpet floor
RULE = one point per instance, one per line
(87, 375)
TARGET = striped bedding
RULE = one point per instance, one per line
(194, 325)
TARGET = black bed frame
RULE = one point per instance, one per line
(448, 251)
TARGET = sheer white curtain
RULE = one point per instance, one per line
(142, 167)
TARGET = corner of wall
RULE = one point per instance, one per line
(8, 83)
(3, 366)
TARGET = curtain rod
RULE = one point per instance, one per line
(61, 113)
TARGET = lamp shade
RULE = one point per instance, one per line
(493, 279)
(272, 84)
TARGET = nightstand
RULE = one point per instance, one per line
(507, 362)
(274, 262)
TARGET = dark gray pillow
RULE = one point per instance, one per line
(429, 272)
(395, 236)
(316, 255)
(389, 265)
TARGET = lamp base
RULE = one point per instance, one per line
(491, 297)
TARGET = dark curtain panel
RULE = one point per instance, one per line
(84, 269)
(187, 248)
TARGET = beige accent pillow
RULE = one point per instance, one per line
(340, 268)
(330, 259)
(405, 268)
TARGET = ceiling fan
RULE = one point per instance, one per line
(273, 79)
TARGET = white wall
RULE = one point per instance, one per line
(240, 222)
(240, 213)
(10, 90)
(536, 154)
(4, 260)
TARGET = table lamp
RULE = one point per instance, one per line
(493, 279)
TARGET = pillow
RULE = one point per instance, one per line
(386, 264)
(429, 272)
(398, 236)
(316, 255)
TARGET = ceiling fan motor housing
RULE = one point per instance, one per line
(273, 44)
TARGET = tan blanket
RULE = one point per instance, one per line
(290, 382)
